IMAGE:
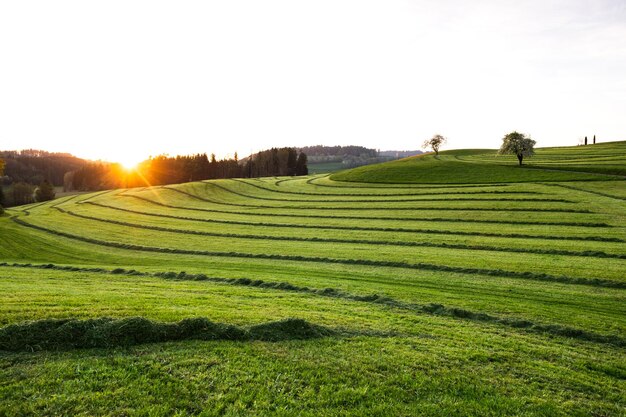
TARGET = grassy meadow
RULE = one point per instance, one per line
(437, 286)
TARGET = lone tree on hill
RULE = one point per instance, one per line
(434, 143)
(518, 144)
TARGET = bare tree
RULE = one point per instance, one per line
(434, 143)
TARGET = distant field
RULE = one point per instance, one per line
(325, 167)
(473, 297)
(576, 163)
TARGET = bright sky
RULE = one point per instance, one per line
(122, 80)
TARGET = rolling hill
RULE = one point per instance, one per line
(485, 166)
(500, 291)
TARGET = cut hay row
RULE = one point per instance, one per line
(106, 332)
(589, 253)
(387, 208)
(365, 228)
(343, 194)
(489, 199)
(362, 262)
(395, 218)
(375, 299)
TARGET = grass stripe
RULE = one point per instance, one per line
(361, 262)
(386, 186)
(366, 228)
(379, 195)
(507, 209)
(431, 308)
(588, 191)
(247, 196)
(458, 246)
(318, 216)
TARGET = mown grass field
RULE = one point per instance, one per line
(575, 163)
(500, 294)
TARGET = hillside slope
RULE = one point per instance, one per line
(308, 296)
(577, 163)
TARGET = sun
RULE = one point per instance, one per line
(128, 163)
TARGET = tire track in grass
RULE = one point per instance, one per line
(376, 299)
(365, 228)
(423, 244)
(597, 282)
(429, 219)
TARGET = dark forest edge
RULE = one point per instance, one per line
(31, 175)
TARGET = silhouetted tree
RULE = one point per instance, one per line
(292, 162)
(585, 140)
(45, 192)
(594, 139)
(301, 167)
(518, 144)
(434, 143)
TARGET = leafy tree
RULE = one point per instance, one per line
(434, 143)
(517, 144)
(45, 191)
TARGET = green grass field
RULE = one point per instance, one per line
(500, 291)
(576, 163)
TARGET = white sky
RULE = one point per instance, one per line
(122, 80)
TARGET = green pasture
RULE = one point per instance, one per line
(472, 166)
(499, 291)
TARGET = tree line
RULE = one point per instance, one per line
(339, 151)
(162, 170)
(31, 175)
(34, 166)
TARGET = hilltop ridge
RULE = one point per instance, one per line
(575, 163)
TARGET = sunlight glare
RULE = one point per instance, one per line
(129, 164)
